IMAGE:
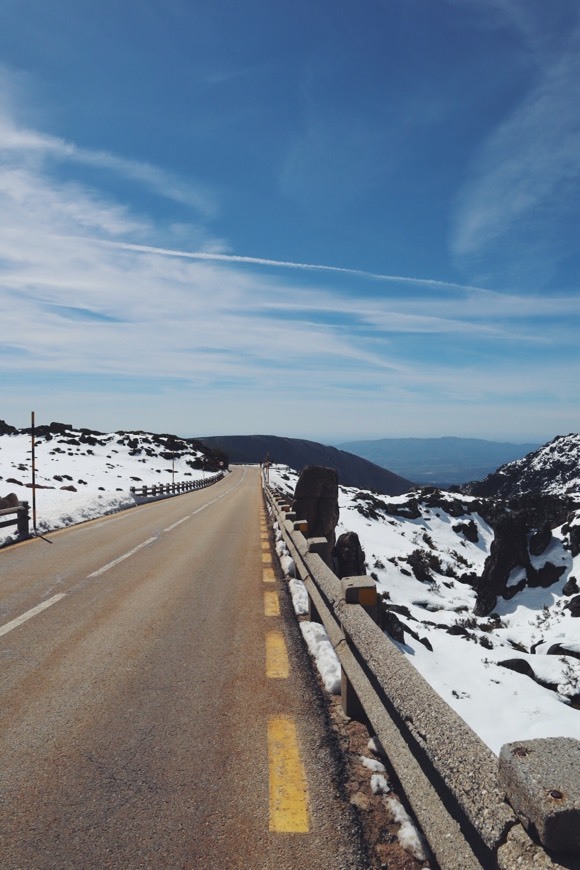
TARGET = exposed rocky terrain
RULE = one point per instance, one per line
(553, 469)
(482, 593)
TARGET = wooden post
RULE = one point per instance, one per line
(23, 520)
(33, 432)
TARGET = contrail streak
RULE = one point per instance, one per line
(285, 264)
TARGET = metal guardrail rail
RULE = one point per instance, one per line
(449, 776)
(175, 488)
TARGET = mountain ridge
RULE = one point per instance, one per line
(444, 461)
(297, 452)
(553, 469)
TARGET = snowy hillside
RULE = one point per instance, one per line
(81, 474)
(553, 469)
(513, 674)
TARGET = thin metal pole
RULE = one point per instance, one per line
(33, 476)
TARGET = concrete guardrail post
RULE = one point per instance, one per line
(317, 546)
(363, 591)
(541, 780)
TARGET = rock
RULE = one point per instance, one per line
(545, 576)
(520, 666)
(574, 534)
(559, 649)
(393, 626)
(9, 501)
(316, 501)
(540, 540)
(69, 488)
(468, 530)
(573, 606)
(509, 549)
(348, 556)
(571, 587)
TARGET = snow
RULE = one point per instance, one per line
(408, 835)
(372, 764)
(299, 596)
(102, 473)
(321, 650)
(500, 705)
(379, 784)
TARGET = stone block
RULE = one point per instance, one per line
(541, 780)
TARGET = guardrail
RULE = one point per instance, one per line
(453, 782)
(175, 488)
(21, 520)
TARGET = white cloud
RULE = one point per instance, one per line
(85, 295)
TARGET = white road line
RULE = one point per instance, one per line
(30, 613)
(122, 558)
(50, 601)
(178, 523)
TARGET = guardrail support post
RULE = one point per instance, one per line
(541, 780)
(351, 705)
(23, 520)
(363, 591)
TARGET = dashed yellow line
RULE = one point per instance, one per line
(268, 575)
(267, 559)
(271, 604)
(288, 786)
(277, 664)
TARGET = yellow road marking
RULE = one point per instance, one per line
(288, 786)
(277, 664)
(271, 604)
(266, 558)
(268, 575)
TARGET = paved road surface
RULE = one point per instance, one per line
(155, 710)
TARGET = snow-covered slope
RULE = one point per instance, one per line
(553, 469)
(81, 474)
(426, 550)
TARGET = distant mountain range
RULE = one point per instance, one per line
(441, 462)
(296, 452)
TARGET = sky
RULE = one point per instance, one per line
(333, 221)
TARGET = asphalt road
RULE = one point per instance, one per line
(155, 707)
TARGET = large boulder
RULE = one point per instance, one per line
(316, 501)
(9, 501)
(573, 606)
(540, 540)
(348, 556)
(509, 550)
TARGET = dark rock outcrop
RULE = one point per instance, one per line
(545, 576)
(560, 649)
(348, 556)
(468, 530)
(7, 429)
(540, 540)
(571, 587)
(573, 606)
(9, 501)
(316, 501)
(509, 550)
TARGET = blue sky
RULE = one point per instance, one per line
(333, 220)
